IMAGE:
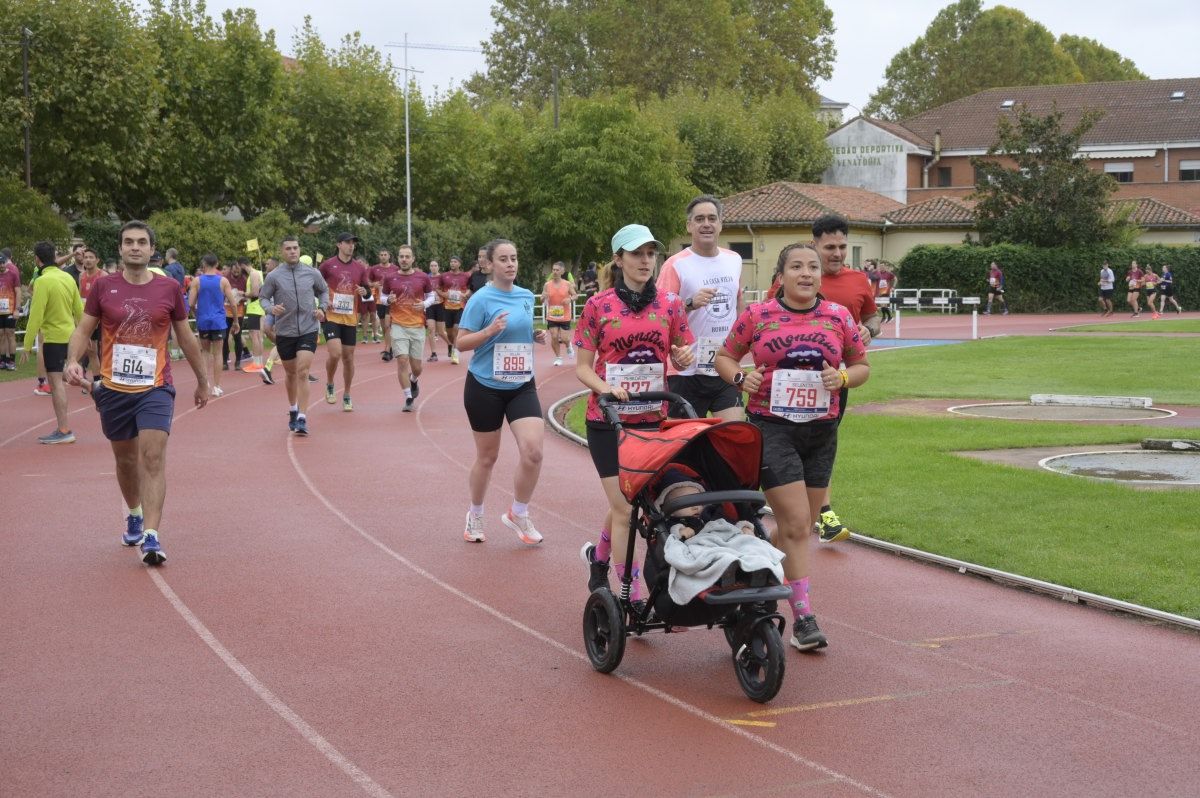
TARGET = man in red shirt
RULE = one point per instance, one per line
(349, 284)
(87, 278)
(377, 275)
(10, 306)
(853, 290)
(135, 394)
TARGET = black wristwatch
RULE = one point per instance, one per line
(739, 378)
(688, 304)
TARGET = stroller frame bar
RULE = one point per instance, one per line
(751, 497)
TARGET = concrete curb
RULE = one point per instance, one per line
(1001, 577)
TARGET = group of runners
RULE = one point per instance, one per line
(1141, 283)
(691, 330)
(688, 329)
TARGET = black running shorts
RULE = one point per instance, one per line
(488, 407)
(797, 452)
(288, 346)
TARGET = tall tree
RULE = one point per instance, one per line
(728, 150)
(1097, 62)
(796, 148)
(654, 49)
(344, 116)
(94, 100)
(218, 134)
(1050, 196)
(603, 168)
(786, 47)
(966, 50)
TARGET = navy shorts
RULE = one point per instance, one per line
(452, 317)
(212, 335)
(8, 322)
(435, 312)
(124, 415)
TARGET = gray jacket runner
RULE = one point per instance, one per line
(294, 287)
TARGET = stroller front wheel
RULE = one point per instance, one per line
(604, 630)
(759, 663)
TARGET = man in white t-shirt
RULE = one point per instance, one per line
(709, 281)
(1107, 279)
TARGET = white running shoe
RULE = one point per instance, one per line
(558, 361)
(217, 391)
(474, 530)
(523, 527)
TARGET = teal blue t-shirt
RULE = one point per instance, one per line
(481, 310)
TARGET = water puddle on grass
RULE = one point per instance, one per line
(1139, 467)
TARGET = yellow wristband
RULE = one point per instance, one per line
(845, 377)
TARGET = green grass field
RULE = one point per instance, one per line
(1163, 325)
(899, 479)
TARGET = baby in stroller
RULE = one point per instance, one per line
(687, 521)
(705, 549)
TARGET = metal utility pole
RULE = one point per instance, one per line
(408, 73)
(26, 34)
(407, 151)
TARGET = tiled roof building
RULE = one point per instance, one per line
(1148, 139)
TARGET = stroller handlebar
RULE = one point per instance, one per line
(751, 497)
(608, 404)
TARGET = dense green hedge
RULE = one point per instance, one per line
(26, 217)
(1047, 280)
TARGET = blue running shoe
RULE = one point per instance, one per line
(152, 553)
(133, 530)
(301, 426)
(292, 416)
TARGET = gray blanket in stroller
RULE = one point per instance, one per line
(700, 561)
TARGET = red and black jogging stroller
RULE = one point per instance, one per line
(727, 456)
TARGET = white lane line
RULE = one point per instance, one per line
(9, 440)
(311, 735)
(678, 703)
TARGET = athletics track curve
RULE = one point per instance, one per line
(321, 628)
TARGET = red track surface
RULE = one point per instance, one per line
(321, 628)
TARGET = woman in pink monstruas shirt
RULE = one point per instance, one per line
(797, 340)
(624, 337)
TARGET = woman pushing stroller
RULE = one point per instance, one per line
(797, 340)
(625, 335)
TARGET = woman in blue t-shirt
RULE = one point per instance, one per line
(498, 324)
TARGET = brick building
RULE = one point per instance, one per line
(1148, 139)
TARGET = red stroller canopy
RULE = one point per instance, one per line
(643, 453)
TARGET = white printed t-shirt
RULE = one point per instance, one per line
(687, 272)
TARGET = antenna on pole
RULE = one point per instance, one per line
(26, 35)
(408, 73)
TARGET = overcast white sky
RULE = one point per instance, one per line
(1159, 35)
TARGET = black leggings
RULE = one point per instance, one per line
(239, 348)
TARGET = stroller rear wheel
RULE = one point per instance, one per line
(759, 663)
(604, 630)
